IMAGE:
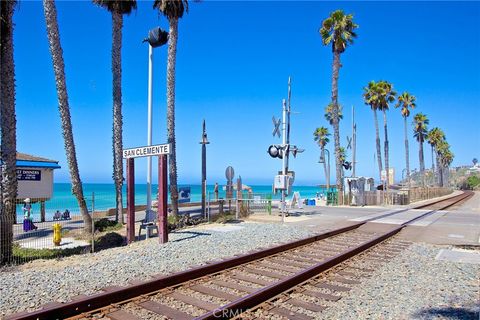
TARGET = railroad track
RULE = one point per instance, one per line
(286, 281)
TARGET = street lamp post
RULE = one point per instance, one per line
(204, 142)
(156, 38)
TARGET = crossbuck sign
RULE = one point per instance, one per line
(155, 150)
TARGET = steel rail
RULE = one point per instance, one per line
(115, 295)
(235, 308)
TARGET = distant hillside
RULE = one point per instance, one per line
(462, 177)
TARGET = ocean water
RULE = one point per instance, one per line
(102, 196)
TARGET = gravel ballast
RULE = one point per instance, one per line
(29, 286)
(414, 285)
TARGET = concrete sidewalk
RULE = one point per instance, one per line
(460, 226)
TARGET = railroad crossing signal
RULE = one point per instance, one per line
(275, 151)
(276, 126)
(296, 150)
(347, 165)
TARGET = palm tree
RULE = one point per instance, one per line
(339, 30)
(56, 51)
(445, 157)
(475, 161)
(387, 97)
(118, 8)
(320, 135)
(8, 128)
(420, 122)
(371, 96)
(434, 138)
(406, 101)
(172, 10)
(447, 161)
(329, 113)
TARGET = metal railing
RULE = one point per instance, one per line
(248, 203)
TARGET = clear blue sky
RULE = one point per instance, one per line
(233, 62)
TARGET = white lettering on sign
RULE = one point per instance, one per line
(147, 151)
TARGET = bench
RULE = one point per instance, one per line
(149, 223)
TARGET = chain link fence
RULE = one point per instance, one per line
(45, 229)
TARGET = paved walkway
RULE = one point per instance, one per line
(460, 226)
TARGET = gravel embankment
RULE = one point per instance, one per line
(39, 282)
(414, 286)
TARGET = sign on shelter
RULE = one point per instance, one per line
(29, 175)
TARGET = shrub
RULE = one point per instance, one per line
(27, 254)
(106, 224)
(109, 240)
(473, 181)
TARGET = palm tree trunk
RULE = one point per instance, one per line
(56, 51)
(172, 159)
(433, 161)
(387, 173)
(386, 147)
(336, 127)
(407, 157)
(440, 170)
(117, 24)
(422, 161)
(433, 166)
(8, 124)
(327, 178)
(377, 143)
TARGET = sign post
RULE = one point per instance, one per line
(229, 174)
(162, 199)
(161, 150)
(130, 200)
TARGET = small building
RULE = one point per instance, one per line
(35, 179)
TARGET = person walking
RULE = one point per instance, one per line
(27, 216)
(215, 189)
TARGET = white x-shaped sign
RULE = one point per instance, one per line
(349, 141)
(276, 127)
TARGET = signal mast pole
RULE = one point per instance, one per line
(286, 143)
(285, 154)
(282, 151)
(354, 142)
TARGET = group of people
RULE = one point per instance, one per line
(28, 224)
(61, 216)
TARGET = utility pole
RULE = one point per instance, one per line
(204, 142)
(354, 138)
(285, 154)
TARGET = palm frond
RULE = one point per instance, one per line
(171, 9)
(117, 6)
(338, 29)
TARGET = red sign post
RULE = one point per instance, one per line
(130, 200)
(162, 199)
